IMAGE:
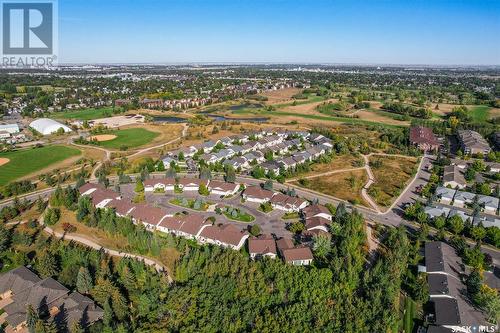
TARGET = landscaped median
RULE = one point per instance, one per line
(196, 204)
(235, 214)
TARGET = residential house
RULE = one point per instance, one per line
(445, 194)
(288, 203)
(151, 103)
(191, 184)
(493, 167)
(472, 142)
(226, 235)
(257, 194)
(226, 141)
(462, 164)
(21, 287)
(99, 195)
(454, 177)
(488, 203)
(486, 221)
(434, 212)
(423, 138)
(263, 246)
(164, 184)
(287, 163)
(207, 146)
(149, 216)
(269, 166)
(122, 208)
(209, 158)
(318, 223)
(462, 199)
(223, 188)
(463, 215)
(298, 256)
(316, 210)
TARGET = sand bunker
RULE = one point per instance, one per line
(103, 137)
(4, 160)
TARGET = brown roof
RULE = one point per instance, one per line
(148, 214)
(188, 181)
(18, 280)
(224, 186)
(453, 173)
(284, 200)
(420, 134)
(312, 210)
(192, 223)
(262, 245)
(171, 222)
(297, 253)
(257, 192)
(121, 207)
(227, 234)
(84, 188)
(284, 243)
(164, 181)
(316, 222)
(99, 195)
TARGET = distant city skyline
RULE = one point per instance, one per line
(276, 31)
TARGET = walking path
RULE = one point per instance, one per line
(371, 180)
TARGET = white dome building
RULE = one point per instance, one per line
(48, 126)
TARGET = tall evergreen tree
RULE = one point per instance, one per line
(84, 281)
(31, 318)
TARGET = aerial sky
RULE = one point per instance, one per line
(280, 31)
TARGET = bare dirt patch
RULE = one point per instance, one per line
(372, 116)
(4, 160)
(494, 113)
(307, 108)
(280, 96)
(103, 137)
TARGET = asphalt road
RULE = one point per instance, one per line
(392, 217)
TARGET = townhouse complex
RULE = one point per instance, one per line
(202, 229)
(273, 150)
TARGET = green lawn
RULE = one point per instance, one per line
(190, 203)
(129, 138)
(84, 114)
(480, 113)
(24, 162)
(409, 315)
(240, 215)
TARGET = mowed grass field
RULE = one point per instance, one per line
(130, 138)
(84, 114)
(24, 162)
(480, 113)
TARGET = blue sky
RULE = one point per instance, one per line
(305, 31)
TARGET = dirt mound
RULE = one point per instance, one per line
(4, 160)
(103, 137)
